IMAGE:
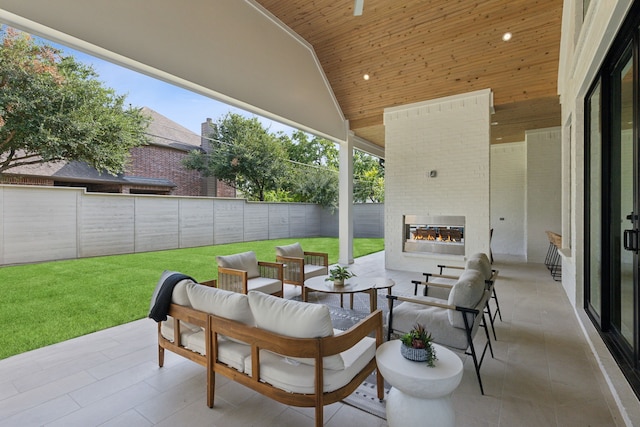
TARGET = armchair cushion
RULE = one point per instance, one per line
(293, 250)
(480, 263)
(294, 319)
(466, 292)
(311, 270)
(246, 261)
(264, 284)
(435, 319)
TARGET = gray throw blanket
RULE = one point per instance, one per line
(161, 298)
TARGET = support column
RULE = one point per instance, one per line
(345, 202)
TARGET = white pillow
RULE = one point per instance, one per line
(220, 302)
(245, 261)
(293, 250)
(480, 265)
(294, 319)
(179, 295)
(466, 292)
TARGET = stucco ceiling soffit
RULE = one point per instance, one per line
(234, 51)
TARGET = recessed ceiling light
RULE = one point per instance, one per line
(499, 139)
(366, 77)
(506, 37)
(494, 123)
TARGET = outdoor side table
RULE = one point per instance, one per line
(420, 395)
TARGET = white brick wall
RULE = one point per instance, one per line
(451, 136)
(508, 175)
(544, 190)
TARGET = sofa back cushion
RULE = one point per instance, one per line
(245, 261)
(293, 250)
(220, 302)
(480, 264)
(179, 295)
(294, 319)
(466, 292)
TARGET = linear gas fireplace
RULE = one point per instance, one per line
(434, 234)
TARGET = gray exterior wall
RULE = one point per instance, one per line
(46, 223)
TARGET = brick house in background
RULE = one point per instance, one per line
(155, 168)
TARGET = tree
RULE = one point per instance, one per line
(315, 151)
(313, 169)
(368, 174)
(244, 155)
(53, 108)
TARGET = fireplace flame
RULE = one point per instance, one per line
(436, 238)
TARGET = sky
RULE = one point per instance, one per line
(184, 107)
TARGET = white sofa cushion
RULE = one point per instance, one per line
(466, 292)
(231, 353)
(220, 302)
(294, 377)
(294, 319)
(186, 329)
(293, 250)
(245, 261)
(179, 295)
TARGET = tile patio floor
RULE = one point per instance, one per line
(543, 374)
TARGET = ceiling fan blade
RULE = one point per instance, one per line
(357, 8)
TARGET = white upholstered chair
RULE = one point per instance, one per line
(453, 321)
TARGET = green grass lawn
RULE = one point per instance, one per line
(50, 302)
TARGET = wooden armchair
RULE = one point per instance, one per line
(243, 273)
(301, 265)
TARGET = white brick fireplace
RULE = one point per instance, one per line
(437, 164)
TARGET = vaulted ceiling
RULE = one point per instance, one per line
(244, 53)
(416, 50)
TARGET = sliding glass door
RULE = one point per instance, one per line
(612, 202)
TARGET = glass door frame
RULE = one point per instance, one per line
(627, 357)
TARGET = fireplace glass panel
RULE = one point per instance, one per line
(439, 235)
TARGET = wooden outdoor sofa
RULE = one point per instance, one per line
(286, 350)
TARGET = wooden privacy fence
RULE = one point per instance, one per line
(50, 223)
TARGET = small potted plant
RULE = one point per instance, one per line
(338, 275)
(417, 346)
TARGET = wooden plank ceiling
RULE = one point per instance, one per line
(416, 50)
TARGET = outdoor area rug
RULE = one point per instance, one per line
(365, 396)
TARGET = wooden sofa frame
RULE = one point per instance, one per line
(260, 339)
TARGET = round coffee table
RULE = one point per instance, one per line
(351, 286)
(420, 395)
